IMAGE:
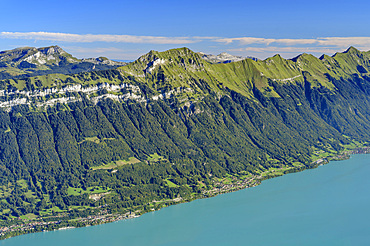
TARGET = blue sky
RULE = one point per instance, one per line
(127, 29)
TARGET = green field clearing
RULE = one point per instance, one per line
(155, 157)
(90, 190)
(95, 139)
(115, 164)
(30, 194)
(29, 216)
(91, 139)
(171, 184)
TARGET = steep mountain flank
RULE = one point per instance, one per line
(172, 127)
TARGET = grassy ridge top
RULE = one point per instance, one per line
(163, 71)
(178, 67)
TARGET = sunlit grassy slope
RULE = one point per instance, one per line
(183, 68)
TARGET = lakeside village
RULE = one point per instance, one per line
(41, 225)
(60, 222)
(230, 184)
(343, 156)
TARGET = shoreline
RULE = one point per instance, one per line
(103, 217)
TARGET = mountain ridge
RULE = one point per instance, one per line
(183, 68)
(261, 72)
(167, 128)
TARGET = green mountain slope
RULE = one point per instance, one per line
(170, 127)
(179, 66)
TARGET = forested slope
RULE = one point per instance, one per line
(177, 126)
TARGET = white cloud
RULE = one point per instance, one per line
(88, 38)
(345, 41)
(286, 52)
(246, 40)
(89, 50)
(287, 49)
(110, 52)
(250, 45)
(340, 42)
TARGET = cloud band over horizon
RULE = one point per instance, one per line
(89, 38)
(238, 44)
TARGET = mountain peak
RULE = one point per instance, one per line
(224, 54)
(352, 49)
(51, 50)
(277, 57)
(37, 56)
(303, 56)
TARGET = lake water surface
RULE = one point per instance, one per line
(329, 205)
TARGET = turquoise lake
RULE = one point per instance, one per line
(329, 205)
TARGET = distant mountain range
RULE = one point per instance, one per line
(27, 62)
(224, 58)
